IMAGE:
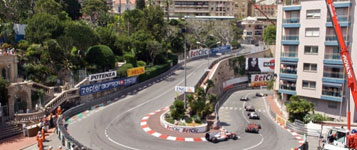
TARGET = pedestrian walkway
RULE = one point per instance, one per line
(29, 143)
(273, 106)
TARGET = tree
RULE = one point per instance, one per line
(42, 26)
(101, 56)
(7, 33)
(298, 108)
(107, 36)
(132, 19)
(154, 49)
(153, 22)
(3, 90)
(82, 35)
(72, 7)
(47, 6)
(15, 10)
(94, 8)
(140, 4)
(270, 85)
(269, 34)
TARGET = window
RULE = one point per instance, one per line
(332, 105)
(312, 32)
(308, 84)
(310, 67)
(311, 49)
(313, 14)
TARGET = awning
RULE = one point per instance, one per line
(288, 63)
(288, 79)
(334, 66)
(332, 84)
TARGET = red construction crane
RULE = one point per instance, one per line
(256, 7)
(346, 59)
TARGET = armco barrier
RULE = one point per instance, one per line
(68, 141)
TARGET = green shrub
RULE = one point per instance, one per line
(129, 58)
(178, 112)
(101, 56)
(235, 44)
(188, 120)
(307, 118)
(122, 71)
(316, 118)
(51, 80)
(197, 119)
(141, 63)
(173, 58)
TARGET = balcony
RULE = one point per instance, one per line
(332, 93)
(331, 40)
(334, 77)
(287, 89)
(342, 3)
(333, 58)
(290, 40)
(291, 23)
(292, 5)
(342, 19)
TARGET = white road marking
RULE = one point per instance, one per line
(137, 106)
(203, 139)
(235, 108)
(146, 129)
(145, 118)
(189, 139)
(231, 108)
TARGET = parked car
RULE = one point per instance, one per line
(253, 115)
(259, 94)
(253, 128)
(249, 108)
(244, 98)
(222, 135)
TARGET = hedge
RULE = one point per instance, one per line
(154, 71)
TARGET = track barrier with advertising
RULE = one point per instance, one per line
(136, 71)
(257, 80)
(259, 65)
(183, 129)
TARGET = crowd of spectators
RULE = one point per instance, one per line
(7, 51)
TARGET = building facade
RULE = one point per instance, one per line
(308, 62)
(253, 30)
(177, 8)
(268, 9)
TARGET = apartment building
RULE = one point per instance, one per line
(120, 6)
(268, 9)
(177, 8)
(253, 30)
(308, 63)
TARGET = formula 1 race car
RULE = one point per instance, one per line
(222, 135)
(253, 115)
(249, 108)
(253, 128)
(244, 98)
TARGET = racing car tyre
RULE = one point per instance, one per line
(214, 140)
(207, 137)
(235, 137)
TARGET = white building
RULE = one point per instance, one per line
(307, 60)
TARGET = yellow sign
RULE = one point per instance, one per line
(281, 120)
(136, 71)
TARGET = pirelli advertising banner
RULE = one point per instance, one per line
(136, 71)
(257, 80)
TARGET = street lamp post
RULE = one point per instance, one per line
(184, 93)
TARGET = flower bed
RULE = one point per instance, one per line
(182, 127)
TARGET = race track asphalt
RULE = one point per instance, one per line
(117, 126)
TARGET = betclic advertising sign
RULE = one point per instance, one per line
(198, 52)
(259, 64)
(257, 80)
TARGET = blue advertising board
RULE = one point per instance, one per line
(98, 87)
(221, 49)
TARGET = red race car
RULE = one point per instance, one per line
(249, 108)
(253, 128)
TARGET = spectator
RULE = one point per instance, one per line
(59, 148)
